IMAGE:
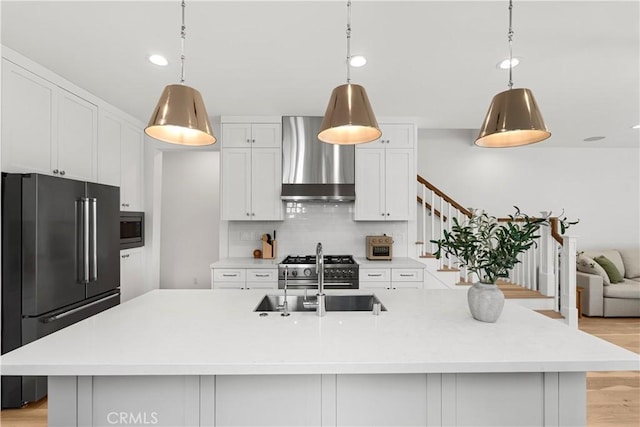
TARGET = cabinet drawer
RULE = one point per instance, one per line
(228, 285)
(407, 274)
(262, 285)
(228, 275)
(374, 285)
(262, 275)
(375, 275)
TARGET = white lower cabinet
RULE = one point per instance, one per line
(431, 399)
(391, 278)
(244, 278)
(132, 274)
(268, 400)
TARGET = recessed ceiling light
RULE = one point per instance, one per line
(357, 61)
(594, 138)
(635, 127)
(504, 65)
(158, 60)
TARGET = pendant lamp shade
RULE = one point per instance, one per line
(180, 117)
(513, 120)
(349, 118)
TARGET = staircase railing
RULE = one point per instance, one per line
(547, 267)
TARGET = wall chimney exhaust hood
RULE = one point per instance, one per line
(311, 169)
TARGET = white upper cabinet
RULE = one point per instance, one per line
(385, 175)
(370, 177)
(256, 135)
(393, 136)
(236, 184)
(77, 148)
(109, 135)
(251, 171)
(46, 129)
(28, 123)
(131, 180)
(120, 161)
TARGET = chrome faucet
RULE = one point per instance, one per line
(320, 301)
(285, 303)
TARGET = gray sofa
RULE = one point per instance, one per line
(600, 297)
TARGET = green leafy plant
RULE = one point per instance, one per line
(488, 248)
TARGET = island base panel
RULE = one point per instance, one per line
(482, 399)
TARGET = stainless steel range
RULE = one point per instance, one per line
(340, 272)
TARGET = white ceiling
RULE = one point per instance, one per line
(432, 60)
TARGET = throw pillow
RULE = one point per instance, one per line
(610, 269)
(588, 265)
(631, 259)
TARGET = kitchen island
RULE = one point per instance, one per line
(204, 357)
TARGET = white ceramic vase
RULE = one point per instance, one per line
(485, 301)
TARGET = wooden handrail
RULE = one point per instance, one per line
(446, 198)
(554, 230)
(553, 221)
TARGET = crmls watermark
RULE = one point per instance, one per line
(132, 418)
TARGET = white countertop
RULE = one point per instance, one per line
(247, 263)
(399, 262)
(209, 332)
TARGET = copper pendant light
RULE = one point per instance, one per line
(349, 118)
(180, 116)
(514, 118)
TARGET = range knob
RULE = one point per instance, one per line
(307, 272)
(294, 273)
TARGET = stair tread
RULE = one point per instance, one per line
(550, 313)
(511, 290)
(445, 269)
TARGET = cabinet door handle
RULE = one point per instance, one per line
(253, 140)
(388, 214)
(382, 214)
(253, 214)
(248, 214)
(229, 275)
(56, 171)
(374, 275)
(61, 172)
(248, 141)
(406, 275)
(262, 275)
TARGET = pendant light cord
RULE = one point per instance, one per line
(183, 35)
(510, 37)
(348, 41)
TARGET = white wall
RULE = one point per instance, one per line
(600, 186)
(308, 223)
(190, 218)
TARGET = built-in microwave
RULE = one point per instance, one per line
(131, 229)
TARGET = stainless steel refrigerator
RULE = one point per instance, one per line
(60, 263)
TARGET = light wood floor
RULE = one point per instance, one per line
(613, 398)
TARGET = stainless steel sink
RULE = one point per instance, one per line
(360, 302)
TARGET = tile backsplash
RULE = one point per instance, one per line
(307, 223)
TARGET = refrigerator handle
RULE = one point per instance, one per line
(85, 240)
(93, 275)
(77, 309)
